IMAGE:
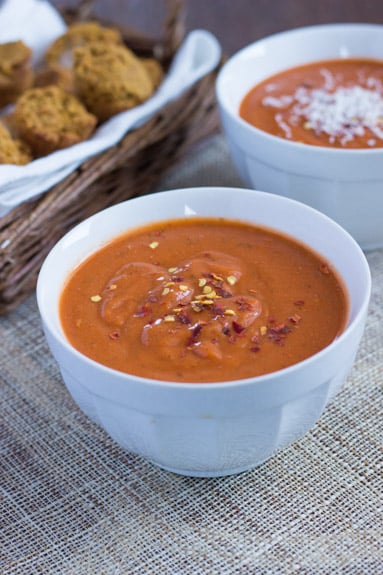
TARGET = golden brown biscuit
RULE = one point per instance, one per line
(54, 76)
(15, 71)
(109, 79)
(60, 53)
(49, 119)
(154, 70)
(13, 151)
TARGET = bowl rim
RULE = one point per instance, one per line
(47, 317)
(277, 140)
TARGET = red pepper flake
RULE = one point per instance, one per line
(278, 339)
(295, 318)
(194, 334)
(278, 333)
(237, 327)
(153, 298)
(143, 311)
(222, 292)
(197, 329)
(271, 319)
(324, 269)
(216, 283)
(281, 328)
(218, 309)
(299, 302)
(183, 318)
(114, 335)
(255, 348)
(243, 304)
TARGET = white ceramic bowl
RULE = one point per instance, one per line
(218, 428)
(344, 184)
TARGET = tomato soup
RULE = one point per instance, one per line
(335, 103)
(202, 300)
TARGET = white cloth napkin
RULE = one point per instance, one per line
(37, 23)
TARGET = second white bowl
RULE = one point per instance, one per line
(345, 184)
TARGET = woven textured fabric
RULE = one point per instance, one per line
(73, 503)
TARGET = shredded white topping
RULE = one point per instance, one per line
(329, 80)
(283, 125)
(342, 112)
(281, 102)
(345, 113)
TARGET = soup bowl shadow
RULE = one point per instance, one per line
(345, 184)
(207, 429)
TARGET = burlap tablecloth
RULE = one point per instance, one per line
(73, 503)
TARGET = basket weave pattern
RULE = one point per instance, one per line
(128, 169)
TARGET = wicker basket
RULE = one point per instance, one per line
(131, 168)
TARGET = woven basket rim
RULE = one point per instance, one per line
(130, 168)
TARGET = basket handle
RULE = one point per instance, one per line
(81, 13)
(174, 26)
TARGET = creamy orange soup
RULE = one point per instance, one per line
(336, 103)
(202, 300)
